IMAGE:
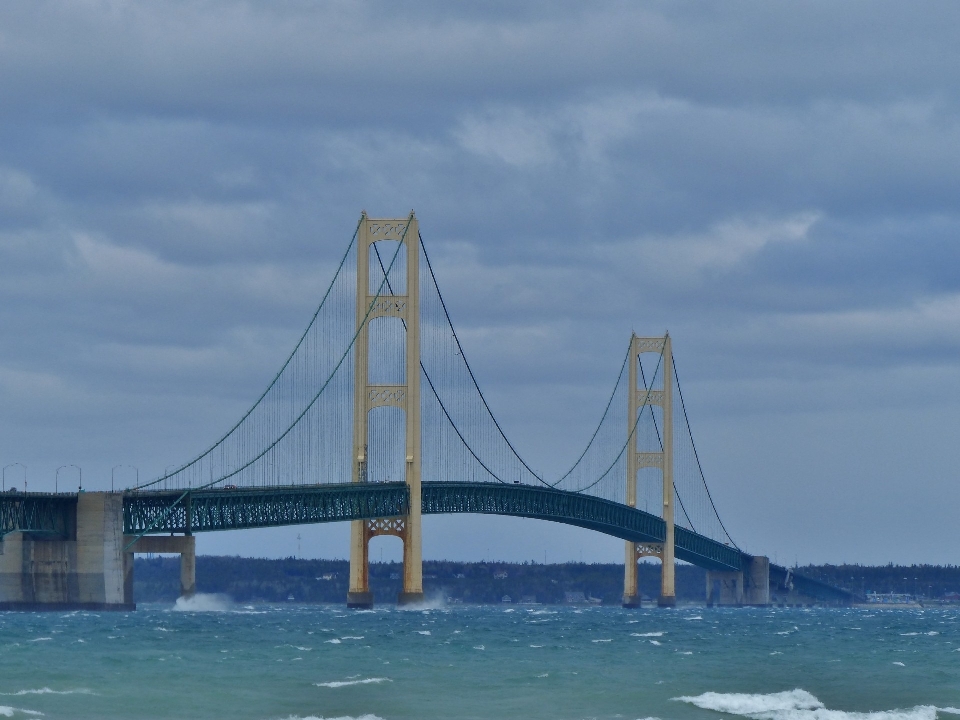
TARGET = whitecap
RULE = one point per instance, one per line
(755, 705)
(898, 663)
(340, 717)
(48, 691)
(603, 640)
(649, 634)
(423, 632)
(541, 675)
(334, 641)
(479, 647)
(203, 602)
(8, 711)
(795, 705)
(695, 617)
(346, 683)
(352, 637)
(40, 639)
(654, 642)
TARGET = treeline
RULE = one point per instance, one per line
(919, 581)
(326, 581)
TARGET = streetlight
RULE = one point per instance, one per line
(133, 467)
(4, 487)
(56, 480)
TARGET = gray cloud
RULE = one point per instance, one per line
(775, 184)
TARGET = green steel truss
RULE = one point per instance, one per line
(42, 513)
(231, 509)
(222, 509)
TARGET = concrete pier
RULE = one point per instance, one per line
(88, 570)
(183, 545)
(748, 587)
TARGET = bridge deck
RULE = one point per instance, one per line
(222, 509)
(173, 511)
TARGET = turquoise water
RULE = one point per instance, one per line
(216, 660)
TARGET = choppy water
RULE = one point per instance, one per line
(215, 660)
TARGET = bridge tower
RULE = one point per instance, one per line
(368, 396)
(637, 397)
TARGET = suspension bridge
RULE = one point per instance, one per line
(376, 418)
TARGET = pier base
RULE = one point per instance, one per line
(360, 600)
(87, 570)
(410, 598)
(748, 587)
(631, 601)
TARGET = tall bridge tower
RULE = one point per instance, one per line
(637, 398)
(405, 308)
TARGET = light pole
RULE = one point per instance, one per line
(4, 487)
(56, 481)
(132, 467)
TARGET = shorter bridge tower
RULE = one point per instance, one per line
(637, 398)
(374, 303)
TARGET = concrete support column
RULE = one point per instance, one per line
(358, 594)
(86, 570)
(188, 567)
(756, 582)
(183, 545)
(631, 596)
(724, 587)
(11, 568)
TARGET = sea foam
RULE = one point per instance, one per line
(346, 683)
(796, 705)
(7, 711)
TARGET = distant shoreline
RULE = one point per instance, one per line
(482, 583)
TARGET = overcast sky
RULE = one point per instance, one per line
(775, 183)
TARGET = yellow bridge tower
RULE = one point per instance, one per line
(406, 309)
(638, 397)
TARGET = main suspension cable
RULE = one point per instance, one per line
(276, 377)
(697, 457)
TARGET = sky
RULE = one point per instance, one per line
(774, 183)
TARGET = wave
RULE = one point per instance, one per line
(340, 717)
(345, 683)
(48, 691)
(7, 711)
(796, 705)
(649, 634)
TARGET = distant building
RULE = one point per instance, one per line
(506, 599)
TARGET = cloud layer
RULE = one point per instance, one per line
(774, 184)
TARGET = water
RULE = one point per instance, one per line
(211, 659)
